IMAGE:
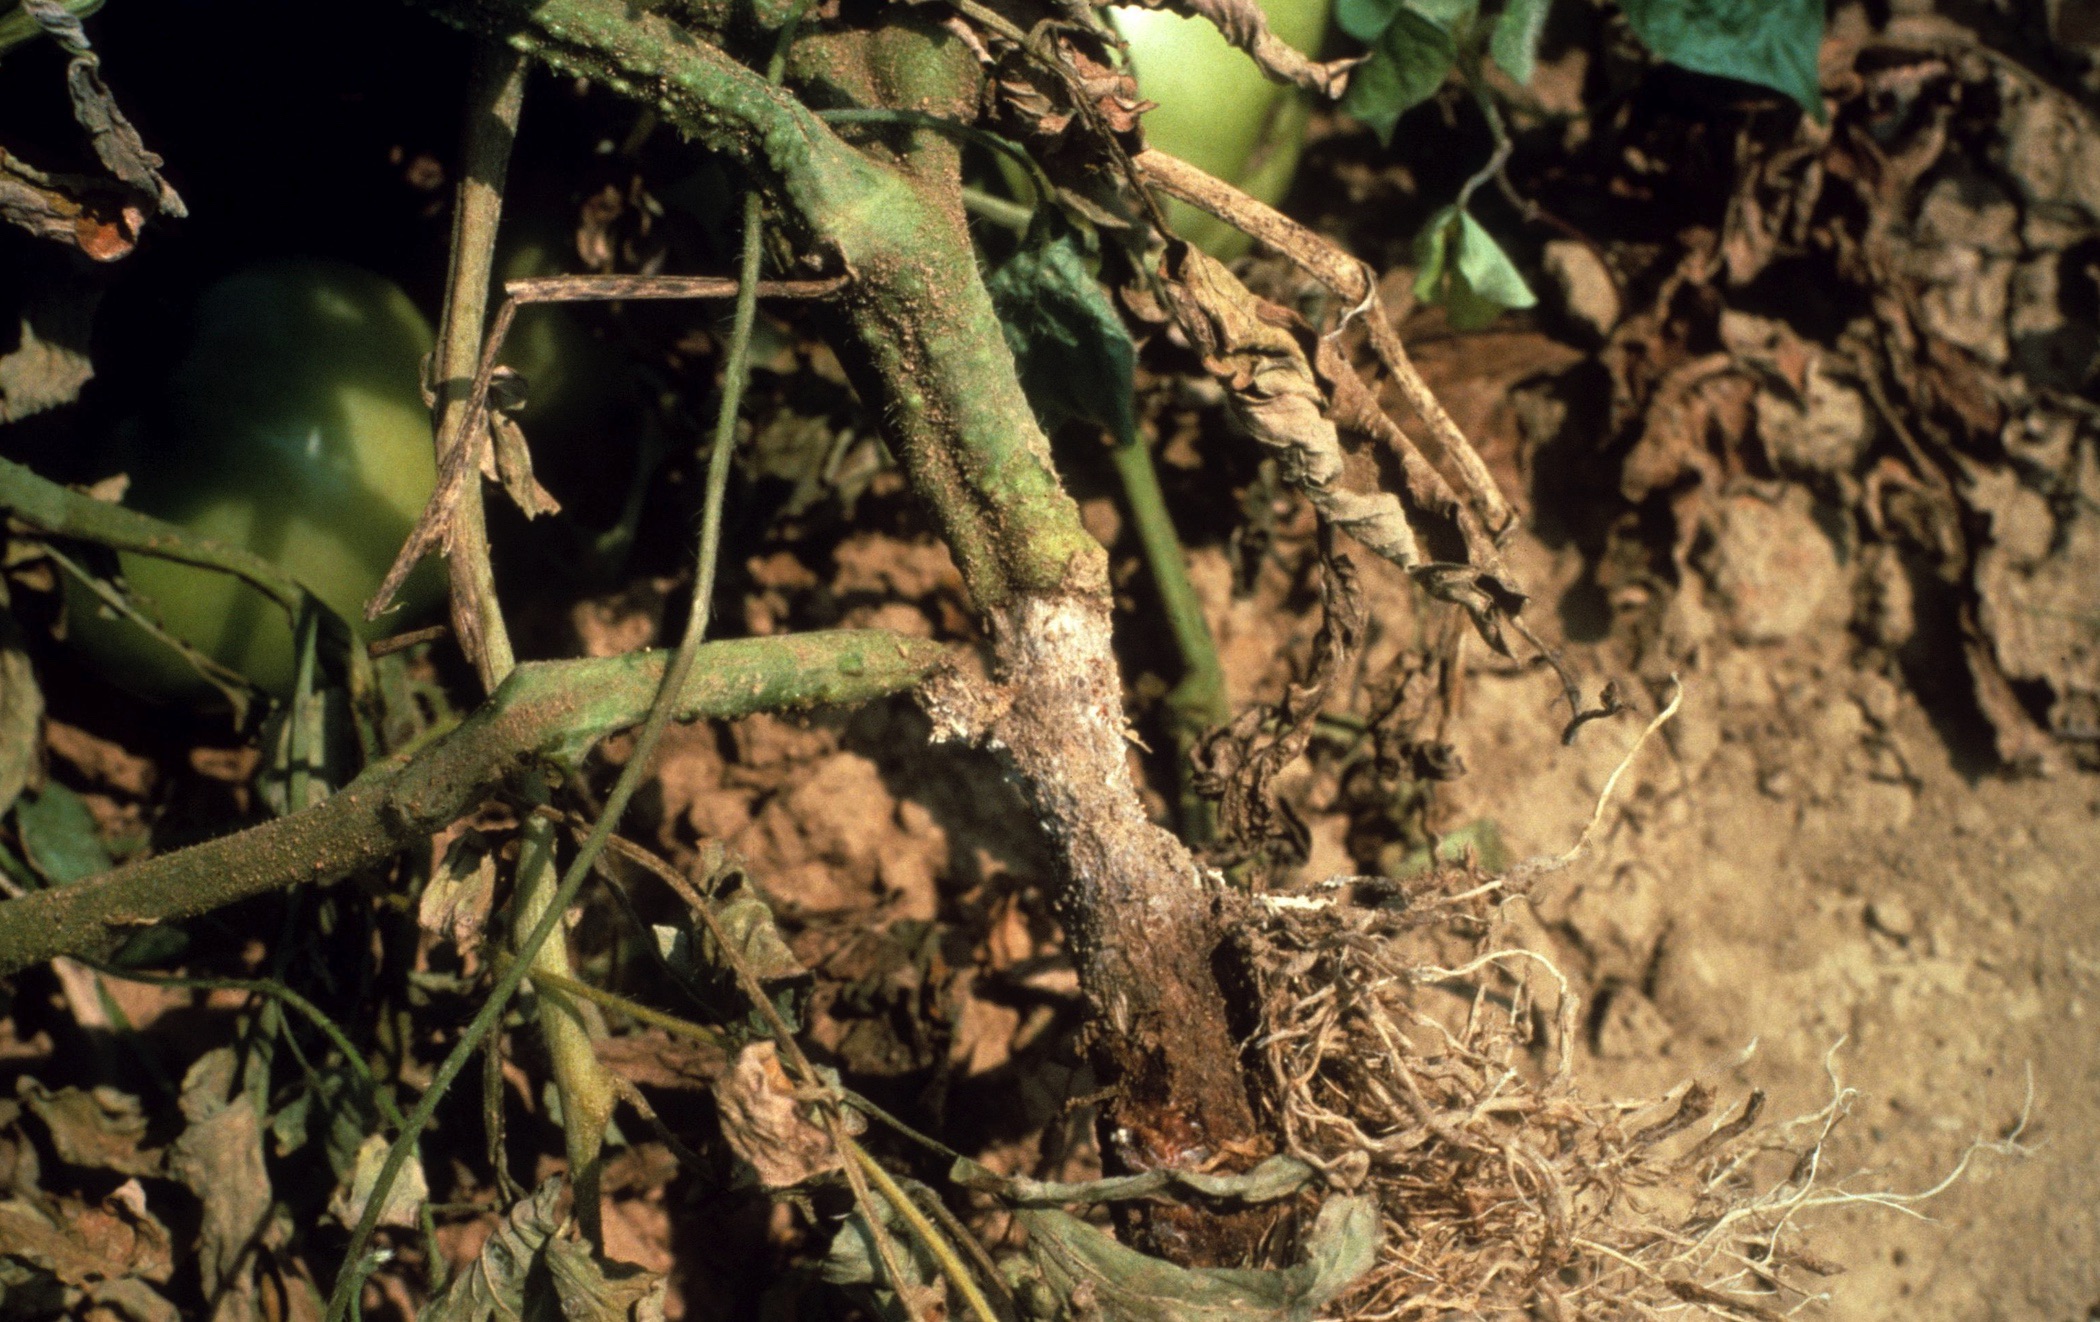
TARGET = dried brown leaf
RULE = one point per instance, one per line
(765, 1124)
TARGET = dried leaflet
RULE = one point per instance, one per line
(1254, 350)
(765, 1124)
(117, 143)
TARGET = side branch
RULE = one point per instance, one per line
(63, 512)
(550, 711)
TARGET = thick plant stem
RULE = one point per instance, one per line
(495, 99)
(547, 711)
(926, 351)
(1196, 704)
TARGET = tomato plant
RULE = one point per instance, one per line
(293, 426)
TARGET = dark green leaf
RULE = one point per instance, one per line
(1366, 20)
(1515, 44)
(59, 836)
(1405, 69)
(1075, 357)
(1769, 42)
(149, 947)
(1462, 269)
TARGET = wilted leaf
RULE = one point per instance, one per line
(94, 216)
(1076, 1259)
(17, 27)
(455, 904)
(21, 713)
(117, 143)
(1769, 42)
(593, 1290)
(1254, 350)
(58, 834)
(852, 1258)
(1461, 268)
(1407, 66)
(101, 1130)
(130, 1297)
(1075, 357)
(220, 1157)
(747, 921)
(80, 1244)
(1515, 44)
(764, 1123)
(536, 1247)
(403, 1200)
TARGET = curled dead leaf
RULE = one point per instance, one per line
(766, 1125)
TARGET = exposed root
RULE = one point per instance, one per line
(1506, 1191)
(1408, 1054)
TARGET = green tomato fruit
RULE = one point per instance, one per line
(1218, 111)
(294, 426)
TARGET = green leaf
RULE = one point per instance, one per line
(1366, 20)
(1405, 69)
(1515, 44)
(1772, 43)
(59, 836)
(1461, 268)
(1076, 360)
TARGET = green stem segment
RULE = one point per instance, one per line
(494, 104)
(1197, 704)
(547, 711)
(661, 710)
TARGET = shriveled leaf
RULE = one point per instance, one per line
(403, 1200)
(747, 920)
(765, 1125)
(494, 1286)
(220, 1157)
(1254, 351)
(1515, 43)
(102, 1130)
(534, 1249)
(1773, 43)
(455, 905)
(1075, 357)
(1077, 1261)
(131, 1298)
(591, 1289)
(58, 834)
(337, 1111)
(1461, 268)
(117, 143)
(21, 713)
(852, 1258)
(17, 27)
(1407, 66)
(79, 1244)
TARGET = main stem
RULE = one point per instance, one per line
(926, 351)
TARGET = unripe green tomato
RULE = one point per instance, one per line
(1218, 111)
(294, 426)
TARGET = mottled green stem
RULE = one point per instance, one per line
(546, 712)
(495, 99)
